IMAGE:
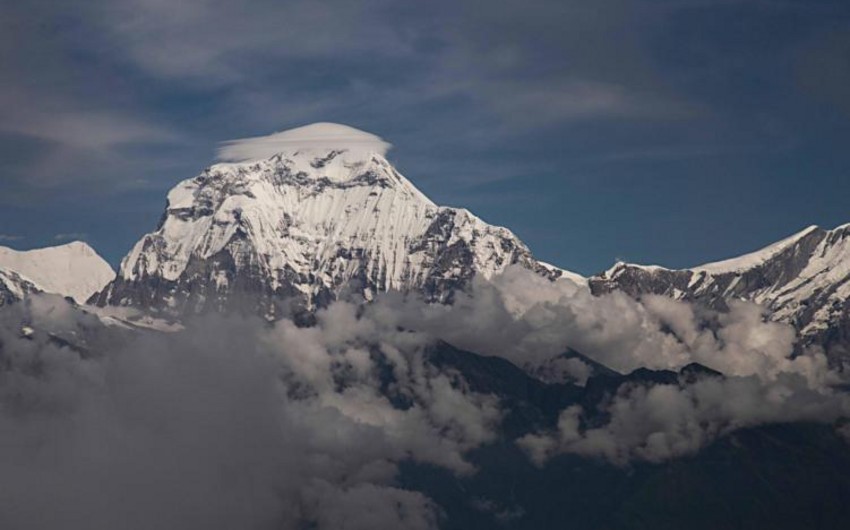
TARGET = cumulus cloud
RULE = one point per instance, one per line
(531, 322)
(71, 236)
(663, 421)
(324, 136)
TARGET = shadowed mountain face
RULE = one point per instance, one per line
(803, 280)
(779, 476)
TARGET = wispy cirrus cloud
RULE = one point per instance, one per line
(71, 236)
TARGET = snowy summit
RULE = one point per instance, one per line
(316, 136)
(73, 269)
(323, 216)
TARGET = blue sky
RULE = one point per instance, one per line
(671, 132)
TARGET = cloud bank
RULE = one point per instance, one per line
(257, 425)
(531, 322)
(663, 421)
(229, 424)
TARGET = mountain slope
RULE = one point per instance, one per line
(309, 224)
(13, 287)
(73, 269)
(803, 280)
(776, 475)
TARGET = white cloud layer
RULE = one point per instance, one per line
(316, 136)
(254, 425)
(664, 421)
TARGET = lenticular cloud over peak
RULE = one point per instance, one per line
(314, 136)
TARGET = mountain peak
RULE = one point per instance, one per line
(319, 137)
(73, 269)
(315, 221)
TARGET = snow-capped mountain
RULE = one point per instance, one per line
(326, 216)
(13, 287)
(803, 280)
(73, 269)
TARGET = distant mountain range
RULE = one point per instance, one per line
(803, 280)
(313, 224)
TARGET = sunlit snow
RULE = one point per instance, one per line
(73, 269)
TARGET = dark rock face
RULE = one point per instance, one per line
(215, 284)
(779, 476)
